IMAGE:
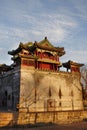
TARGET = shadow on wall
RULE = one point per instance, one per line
(8, 119)
(16, 119)
(31, 119)
(48, 125)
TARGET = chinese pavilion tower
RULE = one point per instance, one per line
(42, 55)
(37, 83)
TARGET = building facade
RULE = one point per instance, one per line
(34, 81)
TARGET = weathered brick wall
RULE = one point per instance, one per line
(64, 88)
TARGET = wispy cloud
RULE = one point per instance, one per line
(62, 22)
(77, 56)
(81, 7)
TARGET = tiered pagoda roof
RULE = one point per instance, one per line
(44, 45)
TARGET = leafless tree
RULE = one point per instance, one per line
(84, 81)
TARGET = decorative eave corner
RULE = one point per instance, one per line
(70, 63)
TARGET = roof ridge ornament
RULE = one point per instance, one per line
(46, 38)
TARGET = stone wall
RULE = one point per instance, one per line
(49, 91)
(9, 88)
(37, 90)
(41, 118)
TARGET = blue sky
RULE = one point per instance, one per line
(64, 22)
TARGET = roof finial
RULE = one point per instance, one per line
(45, 38)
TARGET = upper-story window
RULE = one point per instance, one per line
(47, 55)
(25, 52)
(28, 62)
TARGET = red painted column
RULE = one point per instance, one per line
(41, 54)
(37, 64)
(53, 67)
(41, 65)
(57, 58)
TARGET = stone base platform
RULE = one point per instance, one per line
(31, 118)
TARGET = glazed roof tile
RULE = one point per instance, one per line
(44, 44)
(70, 63)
